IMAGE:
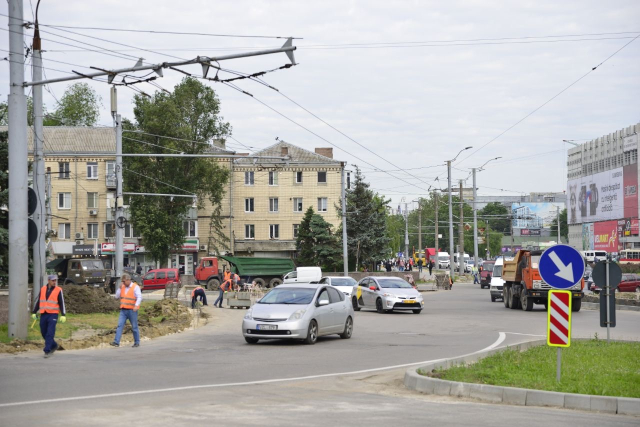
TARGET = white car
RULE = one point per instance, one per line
(341, 283)
(386, 294)
(299, 311)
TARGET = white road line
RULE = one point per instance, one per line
(501, 338)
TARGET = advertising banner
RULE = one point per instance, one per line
(598, 197)
(627, 227)
(630, 179)
(605, 236)
(529, 232)
(534, 216)
(587, 237)
(110, 248)
(630, 142)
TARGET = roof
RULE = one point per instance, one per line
(296, 154)
(301, 285)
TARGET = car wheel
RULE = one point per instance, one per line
(213, 284)
(275, 282)
(312, 333)
(493, 299)
(354, 302)
(348, 329)
(251, 340)
(417, 311)
(379, 307)
(576, 304)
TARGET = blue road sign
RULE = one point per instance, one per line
(561, 266)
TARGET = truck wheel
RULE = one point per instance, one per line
(259, 282)
(526, 303)
(213, 284)
(576, 304)
(505, 296)
(514, 299)
(275, 282)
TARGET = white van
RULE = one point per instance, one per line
(443, 260)
(590, 256)
(303, 275)
(495, 288)
(467, 259)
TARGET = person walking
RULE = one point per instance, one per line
(130, 299)
(50, 305)
(139, 269)
(420, 265)
(198, 292)
(430, 267)
(474, 270)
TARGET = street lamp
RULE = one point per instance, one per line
(475, 212)
(451, 207)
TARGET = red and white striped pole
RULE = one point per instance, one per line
(559, 323)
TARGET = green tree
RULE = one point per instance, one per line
(79, 106)
(190, 113)
(395, 234)
(316, 244)
(498, 216)
(4, 201)
(304, 241)
(564, 226)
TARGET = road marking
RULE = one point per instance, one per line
(502, 336)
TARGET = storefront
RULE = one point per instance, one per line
(186, 259)
(108, 253)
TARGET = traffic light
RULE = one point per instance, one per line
(32, 204)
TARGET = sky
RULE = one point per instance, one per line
(397, 88)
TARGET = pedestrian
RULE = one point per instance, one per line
(130, 299)
(420, 265)
(226, 286)
(387, 266)
(198, 292)
(474, 270)
(430, 267)
(50, 305)
(401, 265)
(139, 269)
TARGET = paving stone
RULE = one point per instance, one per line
(425, 385)
(514, 396)
(628, 406)
(488, 393)
(604, 404)
(459, 389)
(544, 398)
(577, 401)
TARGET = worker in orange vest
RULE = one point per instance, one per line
(227, 285)
(50, 305)
(130, 299)
(198, 292)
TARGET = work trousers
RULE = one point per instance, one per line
(132, 315)
(198, 293)
(48, 322)
(220, 298)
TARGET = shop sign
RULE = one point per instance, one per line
(190, 245)
(82, 250)
(110, 248)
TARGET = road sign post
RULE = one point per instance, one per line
(607, 275)
(559, 324)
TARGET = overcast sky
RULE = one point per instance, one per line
(412, 81)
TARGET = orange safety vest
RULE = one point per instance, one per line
(128, 297)
(193, 292)
(227, 275)
(50, 305)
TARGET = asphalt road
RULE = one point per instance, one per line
(212, 374)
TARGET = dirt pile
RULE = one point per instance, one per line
(169, 310)
(85, 300)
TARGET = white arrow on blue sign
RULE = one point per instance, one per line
(561, 266)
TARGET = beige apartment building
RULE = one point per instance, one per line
(262, 208)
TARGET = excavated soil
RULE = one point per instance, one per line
(174, 317)
(85, 300)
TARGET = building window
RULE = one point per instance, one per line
(64, 200)
(322, 177)
(92, 230)
(130, 231)
(248, 178)
(274, 231)
(273, 204)
(63, 170)
(273, 178)
(92, 170)
(248, 204)
(109, 230)
(249, 231)
(322, 204)
(92, 200)
(111, 174)
(298, 176)
(296, 227)
(297, 204)
(190, 228)
(64, 231)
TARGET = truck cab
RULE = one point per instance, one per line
(79, 271)
(208, 274)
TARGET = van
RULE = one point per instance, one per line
(467, 261)
(590, 256)
(158, 279)
(443, 260)
(495, 287)
(304, 275)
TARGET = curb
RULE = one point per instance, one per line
(596, 306)
(511, 395)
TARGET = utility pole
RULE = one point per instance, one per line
(488, 254)
(343, 195)
(475, 222)
(39, 247)
(558, 220)
(18, 247)
(120, 220)
(451, 247)
(437, 261)
(420, 229)
(406, 232)
(461, 235)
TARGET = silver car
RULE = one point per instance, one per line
(386, 294)
(299, 311)
(341, 283)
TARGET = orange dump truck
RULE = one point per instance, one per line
(524, 287)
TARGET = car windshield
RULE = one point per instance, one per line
(92, 265)
(443, 258)
(289, 296)
(393, 283)
(497, 271)
(488, 266)
(343, 281)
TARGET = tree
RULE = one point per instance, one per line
(498, 217)
(79, 106)
(316, 244)
(190, 115)
(564, 225)
(304, 241)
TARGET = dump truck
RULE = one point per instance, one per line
(523, 285)
(79, 271)
(266, 272)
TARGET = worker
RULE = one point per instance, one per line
(130, 299)
(198, 292)
(474, 270)
(50, 305)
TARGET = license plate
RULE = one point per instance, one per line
(267, 327)
(408, 301)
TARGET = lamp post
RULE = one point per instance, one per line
(451, 248)
(475, 212)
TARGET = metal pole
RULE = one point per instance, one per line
(39, 248)
(451, 248)
(232, 235)
(461, 235)
(406, 232)
(420, 230)
(608, 296)
(119, 203)
(18, 248)
(437, 261)
(475, 222)
(558, 364)
(558, 220)
(343, 195)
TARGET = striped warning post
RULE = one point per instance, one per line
(559, 319)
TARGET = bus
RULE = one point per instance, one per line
(629, 256)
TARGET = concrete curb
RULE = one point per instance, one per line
(511, 395)
(596, 306)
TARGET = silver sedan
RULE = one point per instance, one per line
(299, 311)
(386, 294)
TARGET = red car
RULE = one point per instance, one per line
(629, 283)
(158, 279)
(485, 274)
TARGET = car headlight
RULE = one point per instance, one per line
(248, 315)
(386, 294)
(298, 314)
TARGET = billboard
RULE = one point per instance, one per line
(597, 197)
(587, 237)
(630, 142)
(605, 236)
(529, 232)
(534, 216)
(630, 190)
